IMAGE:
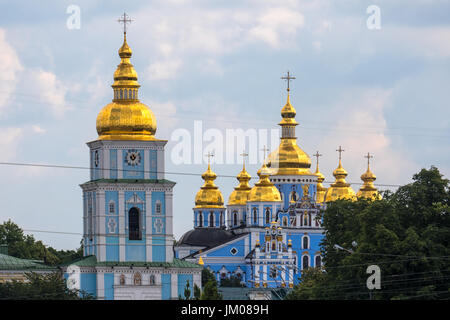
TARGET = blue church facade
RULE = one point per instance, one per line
(127, 205)
(272, 230)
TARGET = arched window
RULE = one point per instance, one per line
(129, 94)
(121, 94)
(305, 262)
(112, 207)
(200, 219)
(158, 207)
(318, 262)
(255, 216)
(234, 218)
(267, 215)
(274, 246)
(211, 219)
(134, 224)
(305, 242)
(279, 247)
(285, 221)
(294, 196)
(152, 279)
(126, 94)
(306, 219)
(137, 279)
(122, 279)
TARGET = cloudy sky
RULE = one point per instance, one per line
(384, 91)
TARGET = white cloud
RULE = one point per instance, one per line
(361, 127)
(178, 33)
(37, 129)
(10, 67)
(50, 90)
(164, 69)
(9, 141)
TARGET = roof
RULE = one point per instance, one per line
(206, 237)
(91, 261)
(12, 263)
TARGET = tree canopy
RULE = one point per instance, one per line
(40, 287)
(406, 234)
(26, 247)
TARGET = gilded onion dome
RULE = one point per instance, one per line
(209, 195)
(240, 193)
(126, 118)
(340, 189)
(264, 190)
(368, 190)
(289, 158)
(321, 190)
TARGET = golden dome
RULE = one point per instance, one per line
(125, 118)
(209, 195)
(340, 189)
(240, 193)
(264, 190)
(321, 190)
(289, 158)
(368, 190)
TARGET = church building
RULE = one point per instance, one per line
(267, 234)
(127, 204)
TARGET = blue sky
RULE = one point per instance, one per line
(385, 91)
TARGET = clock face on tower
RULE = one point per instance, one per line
(133, 158)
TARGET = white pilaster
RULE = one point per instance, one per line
(106, 174)
(100, 285)
(146, 164)
(174, 286)
(122, 234)
(101, 254)
(160, 164)
(119, 164)
(148, 225)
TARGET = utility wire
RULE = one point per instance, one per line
(154, 172)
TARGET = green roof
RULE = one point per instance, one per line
(12, 263)
(158, 181)
(91, 261)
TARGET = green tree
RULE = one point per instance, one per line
(209, 284)
(407, 234)
(197, 292)
(233, 281)
(210, 291)
(41, 287)
(26, 247)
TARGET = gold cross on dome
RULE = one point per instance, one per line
(124, 20)
(265, 149)
(209, 155)
(288, 78)
(340, 150)
(317, 155)
(243, 155)
(368, 156)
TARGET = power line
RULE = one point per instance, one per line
(154, 172)
(321, 125)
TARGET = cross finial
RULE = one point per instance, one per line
(288, 78)
(368, 156)
(340, 150)
(265, 149)
(209, 155)
(243, 155)
(317, 155)
(124, 20)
